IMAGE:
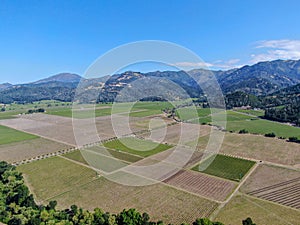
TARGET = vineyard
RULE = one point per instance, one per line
(285, 193)
(201, 184)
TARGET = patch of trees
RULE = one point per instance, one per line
(288, 113)
(40, 110)
(294, 139)
(272, 134)
(239, 99)
(17, 207)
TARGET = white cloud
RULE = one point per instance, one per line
(276, 49)
(218, 64)
(192, 64)
(227, 64)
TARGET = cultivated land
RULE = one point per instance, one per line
(257, 147)
(269, 190)
(237, 121)
(28, 149)
(57, 175)
(8, 135)
(70, 183)
(137, 146)
(160, 201)
(201, 184)
(262, 212)
(275, 184)
(226, 167)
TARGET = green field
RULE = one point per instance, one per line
(138, 147)
(227, 167)
(237, 121)
(251, 112)
(139, 109)
(77, 155)
(260, 126)
(9, 135)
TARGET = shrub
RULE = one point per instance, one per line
(270, 134)
(243, 131)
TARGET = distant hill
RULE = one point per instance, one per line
(261, 79)
(5, 86)
(62, 77)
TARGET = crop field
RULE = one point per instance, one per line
(59, 175)
(180, 133)
(257, 147)
(277, 184)
(79, 185)
(251, 112)
(79, 155)
(27, 149)
(260, 126)
(138, 147)
(285, 193)
(201, 184)
(9, 135)
(159, 201)
(261, 212)
(268, 175)
(237, 121)
(124, 156)
(227, 167)
(139, 109)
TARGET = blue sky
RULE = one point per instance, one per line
(42, 38)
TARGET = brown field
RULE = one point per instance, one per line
(275, 184)
(60, 129)
(258, 147)
(285, 193)
(201, 184)
(261, 212)
(159, 201)
(15, 152)
(266, 175)
(172, 134)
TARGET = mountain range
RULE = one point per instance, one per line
(261, 79)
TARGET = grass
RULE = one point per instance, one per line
(261, 212)
(9, 135)
(137, 146)
(77, 155)
(227, 167)
(237, 121)
(251, 112)
(264, 126)
(53, 176)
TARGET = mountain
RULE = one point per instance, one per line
(5, 86)
(261, 79)
(62, 77)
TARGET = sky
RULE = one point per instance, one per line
(43, 38)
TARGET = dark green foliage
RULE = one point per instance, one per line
(248, 221)
(294, 139)
(243, 131)
(40, 110)
(270, 134)
(239, 99)
(15, 195)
